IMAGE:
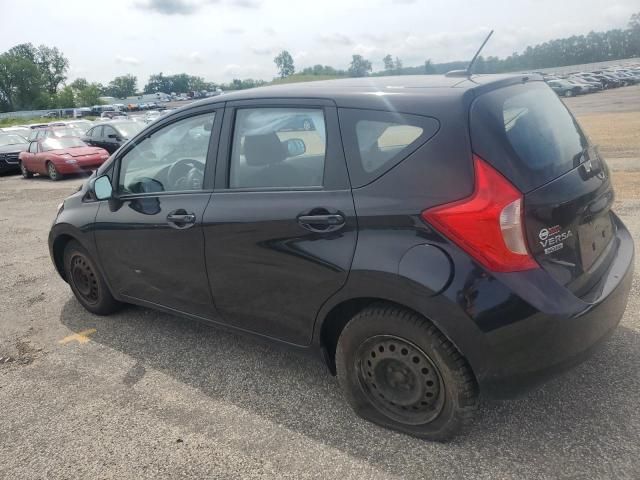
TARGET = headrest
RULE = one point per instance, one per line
(264, 149)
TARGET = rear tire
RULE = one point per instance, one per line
(25, 173)
(52, 171)
(86, 281)
(399, 371)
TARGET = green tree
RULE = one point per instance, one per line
(79, 84)
(284, 62)
(398, 65)
(429, 69)
(359, 67)
(121, 87)
(388, 62)
(158, 83)
(65, 98)
(21, 86)
(90, 95)
(53, 66)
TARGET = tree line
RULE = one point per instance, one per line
(33, 78)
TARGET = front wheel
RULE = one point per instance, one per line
(52, 171)
(86, 281)
(25, 173)
(399, 371)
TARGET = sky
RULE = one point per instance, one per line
(225, 39)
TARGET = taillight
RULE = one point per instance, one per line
(488, 225)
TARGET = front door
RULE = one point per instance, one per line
(280, 228)
(149, 237)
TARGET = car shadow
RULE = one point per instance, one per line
(559, 430)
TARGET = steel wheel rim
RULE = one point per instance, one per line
(84, 280)
(52, 171)
(400, 380)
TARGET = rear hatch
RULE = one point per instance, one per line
(528, 135)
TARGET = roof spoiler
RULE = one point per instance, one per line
(469, 70)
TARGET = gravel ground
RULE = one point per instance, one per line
(148, 395)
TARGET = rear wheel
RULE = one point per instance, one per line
(25, 173)
(87, 282)
(52, 171)
(399, 371)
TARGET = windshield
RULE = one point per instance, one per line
(62, 143)
(68, 132)
(11, 139)
(128, 130)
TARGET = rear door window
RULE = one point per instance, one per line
(278, 148)
(527, 134)
(375, 141)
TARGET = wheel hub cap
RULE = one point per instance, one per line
(400, 379)
(84, 279)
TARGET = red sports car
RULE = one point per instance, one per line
(56, 157)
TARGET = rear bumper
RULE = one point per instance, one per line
(527, 352)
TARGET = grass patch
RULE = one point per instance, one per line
(11, 122)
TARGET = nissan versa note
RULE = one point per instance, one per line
(433, 237)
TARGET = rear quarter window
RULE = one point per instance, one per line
(376, 141)
(527, 134)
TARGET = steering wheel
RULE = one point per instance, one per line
(186, 174)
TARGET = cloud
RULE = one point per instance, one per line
(170, 7)
(404, 2)
(263, 50)
(269, 31)
(127, 60)
(188, 7)
(195, 57)
(336, 39)
(244, 3)
(234, 30)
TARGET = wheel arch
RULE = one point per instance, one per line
(332, 323)
(58, 245)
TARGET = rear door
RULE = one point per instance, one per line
(280, 228)
(528, 135)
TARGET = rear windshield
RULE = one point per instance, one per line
(527, 133)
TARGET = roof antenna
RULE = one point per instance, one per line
(469, 70)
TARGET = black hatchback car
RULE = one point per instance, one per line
(433, 237)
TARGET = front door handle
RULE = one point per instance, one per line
(181, 219)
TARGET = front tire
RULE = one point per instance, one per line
(399, 371)
(52, 171)
(25, 173)
(86, 281)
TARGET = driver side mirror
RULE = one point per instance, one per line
(102, 188)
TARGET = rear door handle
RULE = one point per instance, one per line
(322, 222)
(330, 219)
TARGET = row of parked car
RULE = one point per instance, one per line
(64, 147)
(579, 83)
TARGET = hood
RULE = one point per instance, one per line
(20, 147)
(79, 151)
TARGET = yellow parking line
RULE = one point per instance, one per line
(80, 337)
